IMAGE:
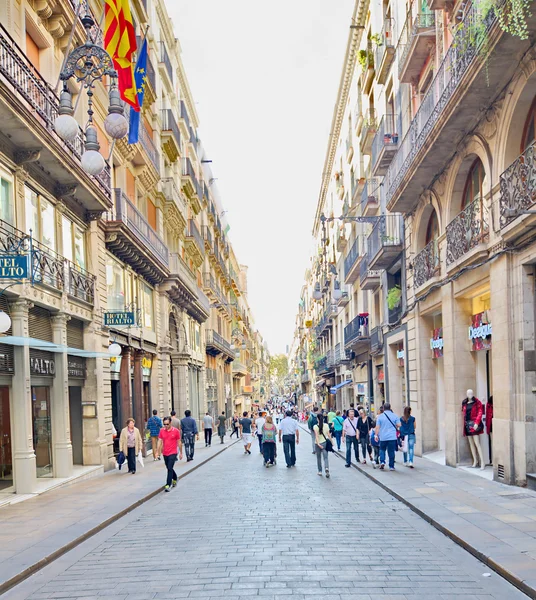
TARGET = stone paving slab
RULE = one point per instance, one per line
(40, 529)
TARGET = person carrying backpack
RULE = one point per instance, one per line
(313, 420)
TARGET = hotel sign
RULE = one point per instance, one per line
(14, 266)
(119, 319)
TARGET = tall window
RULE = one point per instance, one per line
(432, 230)
(40, 218)
(73, 242)
(147, 307)
(529, 132)
(7, 212)
(115, 284)
(473, 184)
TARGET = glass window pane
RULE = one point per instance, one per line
(115, 285)
(79, 248)
(6, 201)
(67, 238)
(147, 301)
(32, 216)
(48, 225)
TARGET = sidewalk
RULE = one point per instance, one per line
(41, 529)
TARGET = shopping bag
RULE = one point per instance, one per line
(140, 458)
(405, 444)
(120, 460)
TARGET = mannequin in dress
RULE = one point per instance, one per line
(473, 427)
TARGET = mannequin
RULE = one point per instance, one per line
(473, 427)
(489, 425)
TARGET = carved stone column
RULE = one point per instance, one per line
(61, 426)
(138, 396)
(179, 363)
(125, 386)
(21, 418)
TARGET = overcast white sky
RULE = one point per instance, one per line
(264, 76)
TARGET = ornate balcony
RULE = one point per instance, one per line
(370, 197)
(369, 279)
(171, 136)
(190, 185)
(215, 344)
(356, 336)
(353, 260)
(467, 230)
(376, 340)
(239, 369)
(386, 241)
(146, 151)
(349, 147)
(174, 206)
(130, 237)
(209, 242)
(321, 365)
(367, 76)
(384, 144)
(28, 109)
(344, 299)
(518, 193)
(165, 63)
(368, 131)
(416, 39)
(426, 265)
(384, 54)
(181, 286)
(194, 244)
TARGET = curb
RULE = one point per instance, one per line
(40, 564)
(492, 564)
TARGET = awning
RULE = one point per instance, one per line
(321, 382)
(333, 389)
(12, 340)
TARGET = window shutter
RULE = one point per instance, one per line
(39, 324)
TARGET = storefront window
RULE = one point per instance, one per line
(6, 200)
(42, 431)
(147, 305)
(115, 283)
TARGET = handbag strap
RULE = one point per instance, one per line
(349, 421)
(391, 421)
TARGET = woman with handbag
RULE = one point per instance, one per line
(364, 425)
(269, 436)
(130, 444)
(407, 433)
(323, 441)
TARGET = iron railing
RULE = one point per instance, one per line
(355, 252)
(364, 270)
(193, 232)
(370, 124)
(462, 53)
(24, 79)
(188, 171)
(127, 213)
(321, 364)
(354, 330)
(177, 266)
(213, 338)
(370, 192)
(147, 143)
(207, 234)
(426, 264)
(467, 230)
(164, 58)
(518, 186)
(376, 339)
(172, 193)
(388, 231)
(386, 135)
(184, 114)
(387, 36)
(411, 29)
(170, 124)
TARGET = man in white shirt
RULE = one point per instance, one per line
(291, 436)
(208, 424)
(351, 436)
(259, 422)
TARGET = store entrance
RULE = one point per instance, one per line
(116, 413)
(42, 430)
(75, 417)
(6, 462)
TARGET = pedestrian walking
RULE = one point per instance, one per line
(331, 417)
(364, 425)
(236, 426)
(337, 428)
(169, 444)
(311, 422)
(322, 435)
(245, 432)
(375, 443)
(130, 444)
(387, 425)
(221, 427)
(269, 438)
(189, 433)
(175, 421)
(407, 432)
(350, 436)
(259, 423)
(289, 431)
(154, 425)
(208, 425)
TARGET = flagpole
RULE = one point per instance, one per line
(68, 49)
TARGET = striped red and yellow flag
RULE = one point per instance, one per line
(120, 43)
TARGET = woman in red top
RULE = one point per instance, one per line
(169, 445)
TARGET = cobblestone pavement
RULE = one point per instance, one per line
(234, 530)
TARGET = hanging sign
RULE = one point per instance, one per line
(119, 319)
(436, 343)
(14, 266)
(480, 332)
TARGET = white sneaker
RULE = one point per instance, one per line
(406, 464)
(410, 465)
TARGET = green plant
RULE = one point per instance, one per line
(513, 15)
(362, 58)
(377, 39)
(394, 296)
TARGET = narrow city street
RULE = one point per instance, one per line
(234, 529)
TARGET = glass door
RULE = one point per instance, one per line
(6, 462)
(42, 430)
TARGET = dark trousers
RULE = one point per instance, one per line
(376, 454)
(189, 445)
(390, 446)
(289, 448)
(208, 436)
(259, 437)
(338, 435)
(351, 440)
(365, 446)
(131, 459)
(170, 463)
(235, 430)
(268, 450)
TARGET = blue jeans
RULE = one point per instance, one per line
(338, 435)
(351, 440)
(411, 446)
(390, 446)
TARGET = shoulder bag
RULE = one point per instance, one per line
(398, 440)
(329, 443)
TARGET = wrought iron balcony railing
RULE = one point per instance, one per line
(414, 27)
(170, 124)
(193, 232)
(164, 58)
(369, 195)
(376, 339)
(384, 52)
(356, 252)
(518, 186)
(172, 193)
(184, 114)
(321, 364)
(26, 81)
(426, 264)
(189, 171)
(214, 339)
(463, 52)
(147, 143)
(354, 330)
(386, 139)
(387, 233)
(467, 230)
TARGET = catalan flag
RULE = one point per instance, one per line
(120, 43)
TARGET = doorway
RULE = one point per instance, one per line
(6, 461)
(42, 430)
(116, 414)
(440, 393)
(75, 418)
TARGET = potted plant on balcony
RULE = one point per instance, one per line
(394, 138)
(362, 59)
(394, 297)
(387, 138)
(376, 39)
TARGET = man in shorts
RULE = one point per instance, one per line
(245, 432)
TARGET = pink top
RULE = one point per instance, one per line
(347, 426)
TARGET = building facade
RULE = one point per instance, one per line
(432, 149)
(137, 256)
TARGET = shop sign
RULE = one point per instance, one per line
(76, 367)
(360, 389)
(115, 364)
(436, 343)
(42, 366)
(381, 375)
(146, 365)
(480, 332)
(119, 319)
(14, 266)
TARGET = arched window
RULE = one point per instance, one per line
(432, 229)
(473, 184)
(529, 131)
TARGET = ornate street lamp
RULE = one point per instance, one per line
(88, 64)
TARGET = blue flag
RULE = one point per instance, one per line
(140, 77)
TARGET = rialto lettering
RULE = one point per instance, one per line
(42, 366)
(119, 319)
(13, 267)
(480, 332)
